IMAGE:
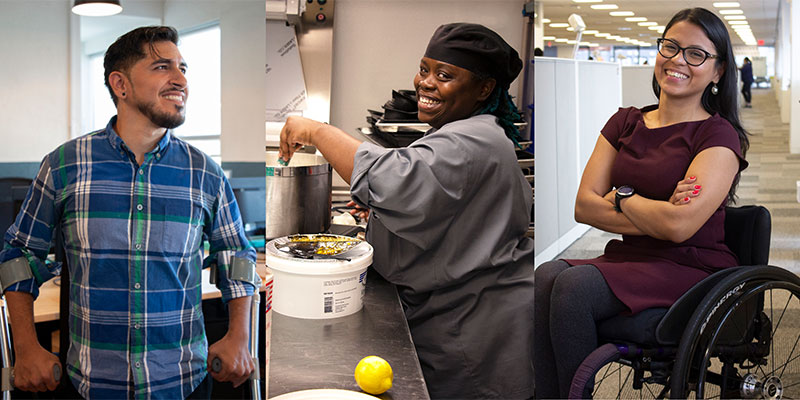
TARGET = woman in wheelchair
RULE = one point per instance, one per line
(661, 177)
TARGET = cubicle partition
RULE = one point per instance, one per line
(573, 99)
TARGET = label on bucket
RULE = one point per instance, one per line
(339, 294)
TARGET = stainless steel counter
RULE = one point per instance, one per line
(322, 354)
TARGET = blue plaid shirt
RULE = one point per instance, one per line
(133, 238)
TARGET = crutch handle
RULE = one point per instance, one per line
(56, 374)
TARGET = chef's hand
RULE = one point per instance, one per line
(296, 133)
(685, 190)
(237, 365)
(362, 213)
(33, 371)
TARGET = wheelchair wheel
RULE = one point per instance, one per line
(605, 375)
(746, 343)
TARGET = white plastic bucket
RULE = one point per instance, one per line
(318, 288)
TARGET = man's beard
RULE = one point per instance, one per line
(164, 120)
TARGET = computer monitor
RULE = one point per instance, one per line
(12, 195)
(251, 196)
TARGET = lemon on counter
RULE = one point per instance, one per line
(374, 375)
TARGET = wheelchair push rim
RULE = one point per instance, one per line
(765, 361)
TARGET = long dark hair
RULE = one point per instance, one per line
(725, 102)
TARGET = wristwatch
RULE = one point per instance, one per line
(623, 192)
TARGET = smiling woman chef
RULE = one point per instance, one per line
(449, 216)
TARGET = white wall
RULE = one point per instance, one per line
(36, 73)
(377, 45)
(34, 77)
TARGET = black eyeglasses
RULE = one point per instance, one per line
(692, 55)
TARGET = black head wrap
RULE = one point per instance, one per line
(475, 48)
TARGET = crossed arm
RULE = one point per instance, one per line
(677, 219)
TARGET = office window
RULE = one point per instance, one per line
(201, 50)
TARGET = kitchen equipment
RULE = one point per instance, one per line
(327, 286)
(298, 196)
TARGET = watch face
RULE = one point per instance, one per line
(625, 190)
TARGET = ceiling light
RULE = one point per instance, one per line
(738, 28)
(549, 37)
(735, 17)
(624, 28)
(727, 4)
(559, 25)
(572, 41)
(96, 8)
(636, 19)
(604, 6)
(561, 40)
(621, 13)
(651, 23)
(654, 28)
(737, 22)
(584, 43)
(545, 20)
(602, 34)
(731, 12)
(594, 44)
(571, 29)
(591, 32)
(587, 1)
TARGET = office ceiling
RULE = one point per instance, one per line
(762, 16)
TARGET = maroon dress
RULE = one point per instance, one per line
(642, 271)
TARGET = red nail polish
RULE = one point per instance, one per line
(695, 192)
(686, 199)
(692, 177)
(697, 186)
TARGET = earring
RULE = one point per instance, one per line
(123, 94)
(714, 89)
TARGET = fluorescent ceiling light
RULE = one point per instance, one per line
(583, 43)
(549, 37)
(737, 22)
(735, 17)
(654, 28)
(604, 6)
(636, 19)
(650, 23)
(602, 34)
(591, 32)
(572, 41)
(559, 25)
(621, 13)
(727, 4)
(587, 1)
(96, 8)
(545, 20)
(571, 29)
(561, 40)
(731, 12)
(594, 44)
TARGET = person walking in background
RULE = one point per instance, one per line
(747, 81)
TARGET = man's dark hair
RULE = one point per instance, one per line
(129, 48)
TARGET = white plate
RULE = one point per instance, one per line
(325, 394)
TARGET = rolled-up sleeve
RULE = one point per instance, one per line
(30, 235)
(227, 240)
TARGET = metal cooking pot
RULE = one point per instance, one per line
(298, 195)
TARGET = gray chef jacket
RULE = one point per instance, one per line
(448, 220)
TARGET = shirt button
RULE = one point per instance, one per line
(141, 172)
(139, 207)
(138, 365)
(136, 326)
(137, 285)
(158, 155)
(138, 246)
